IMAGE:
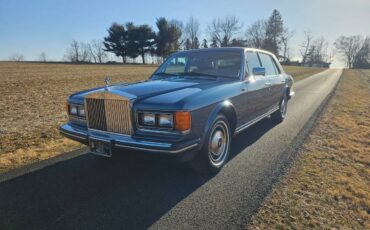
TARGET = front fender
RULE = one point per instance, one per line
(224, 107)
(285, 91)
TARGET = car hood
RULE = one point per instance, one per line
(163, 90)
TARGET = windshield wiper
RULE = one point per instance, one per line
(198, 74)
(207, 75)
(166, 74)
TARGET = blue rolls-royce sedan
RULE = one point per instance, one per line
(190, 107)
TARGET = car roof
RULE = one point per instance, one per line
(226, 49)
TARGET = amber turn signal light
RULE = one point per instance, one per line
(182, 121)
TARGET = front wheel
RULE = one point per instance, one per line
(216, 148)
(280, 114)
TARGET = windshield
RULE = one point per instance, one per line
(211, 63)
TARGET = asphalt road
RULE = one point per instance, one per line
(88, 192)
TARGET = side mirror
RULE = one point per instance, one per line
(259, 71)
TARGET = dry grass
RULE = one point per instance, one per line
(36, 153)
(328, 186)
(298, 72)
(32, 104)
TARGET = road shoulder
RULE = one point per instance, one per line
(327, 184)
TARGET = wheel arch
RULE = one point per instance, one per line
(286, 91)
(225, 108)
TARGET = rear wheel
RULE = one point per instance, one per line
(280, 114)
(216, 148)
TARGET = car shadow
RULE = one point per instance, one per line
(90, 192)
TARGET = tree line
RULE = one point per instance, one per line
(138, 41)
(355, 51)
(131, 41)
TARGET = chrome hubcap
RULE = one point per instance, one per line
(218, 143)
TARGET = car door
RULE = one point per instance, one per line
(271, 76)
(253, 99)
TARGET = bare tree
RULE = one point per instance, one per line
(362, 58)
(348, 47)
(43, 57)
(85, 52)
(256, 34)
(192, 30)
(305, 46)
(97, 51)
(223, 30)
(17, 57)
(285, 37)
(317, 51)
(78, 52)
(73, 52)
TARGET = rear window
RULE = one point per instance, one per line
(252, 61)
(268, 63)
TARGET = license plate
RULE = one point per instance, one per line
(101, 148)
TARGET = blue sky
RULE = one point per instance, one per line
(34, 26)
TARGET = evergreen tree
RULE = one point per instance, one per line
(274, 31)
(237, 43)
(187, 44)
(132, 46)
(116, 41)
(167, 39)
(224, 42)
(204, 44)
(196, 43)
(141, 39)
(214, 43)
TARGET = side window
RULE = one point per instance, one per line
(276, 66)
(268, 63)
(252, 61)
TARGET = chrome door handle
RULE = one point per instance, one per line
(267, 83)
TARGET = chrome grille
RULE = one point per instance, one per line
(108, 112)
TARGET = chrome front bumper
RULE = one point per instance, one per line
(126, 141)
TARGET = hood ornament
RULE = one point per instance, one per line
(107, 81)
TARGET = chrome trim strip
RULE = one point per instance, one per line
(150, 144)
(147, 145)
(99, 139)
(107, 133)
(98, 154)
(73, 135)
(255, 120)
(83, 119)
(158, 150)
(157, 131)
